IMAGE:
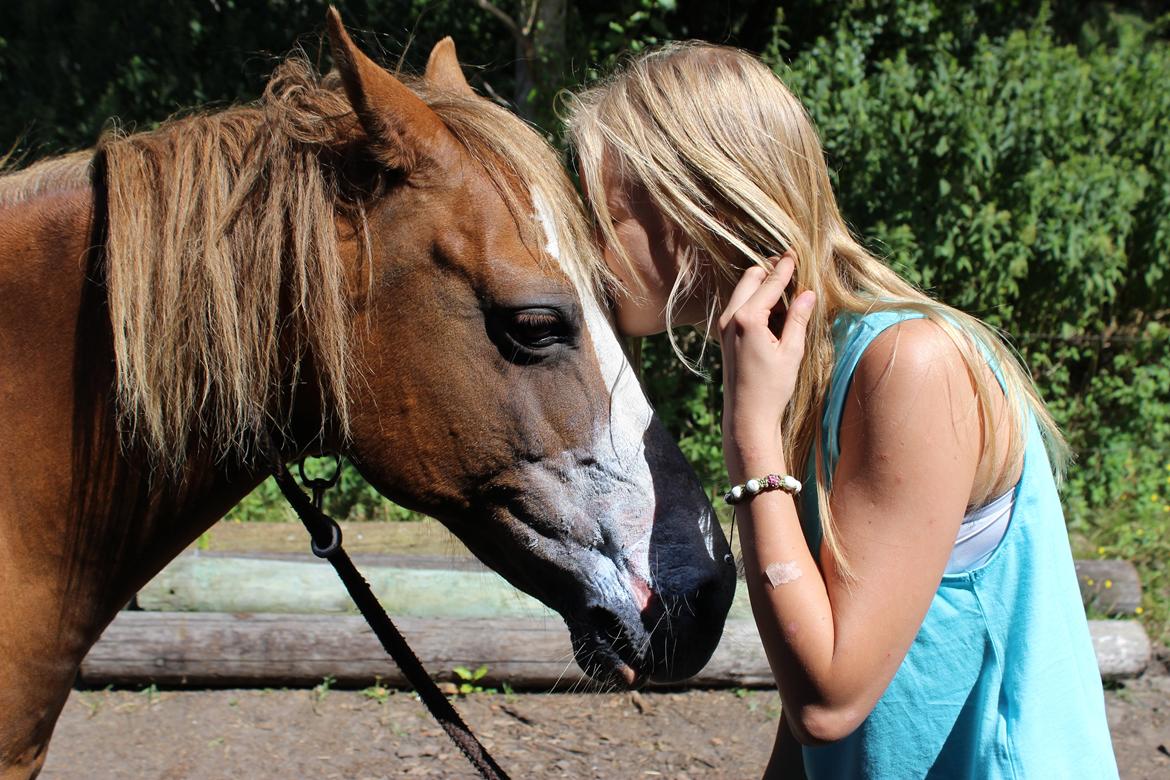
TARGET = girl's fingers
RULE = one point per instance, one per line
(768, 294)
(796, 323)
(754, 279)
(748, 283)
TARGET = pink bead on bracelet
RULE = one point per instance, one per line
(753, 487)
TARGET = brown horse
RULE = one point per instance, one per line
(394, 269)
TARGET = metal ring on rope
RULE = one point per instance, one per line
(318, 483)
(334, 541)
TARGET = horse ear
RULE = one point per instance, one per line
(443, 68)
(401, 127)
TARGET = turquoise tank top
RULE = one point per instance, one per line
(1001, 680)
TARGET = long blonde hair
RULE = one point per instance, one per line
(732, 160)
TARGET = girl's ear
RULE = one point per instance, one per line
(402, 129)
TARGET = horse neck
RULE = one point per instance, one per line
(78, 501)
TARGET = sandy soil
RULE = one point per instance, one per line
(266, 734)
(378, 734)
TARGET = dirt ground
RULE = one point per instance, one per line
(269, 734)
(376, 734)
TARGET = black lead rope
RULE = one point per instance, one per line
(326, 543)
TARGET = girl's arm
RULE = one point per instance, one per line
(787, 760)
(909, 443)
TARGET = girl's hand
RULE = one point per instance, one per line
(759, 370)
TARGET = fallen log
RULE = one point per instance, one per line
(427, 587)
(225, 650)
(193, 583)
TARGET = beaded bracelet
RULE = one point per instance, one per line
(753, 487)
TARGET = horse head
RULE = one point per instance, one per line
(493, 392)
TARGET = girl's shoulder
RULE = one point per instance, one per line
(873, 345)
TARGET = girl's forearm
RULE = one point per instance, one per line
(791, 606)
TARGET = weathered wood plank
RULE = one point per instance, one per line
(215, 584)
(251, 650)
(204, 649)
(431, 587)
(218, 584)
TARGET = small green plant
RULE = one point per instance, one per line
(378, 692)
(151, 694)
(469, 678)
(321, 689)
(91, 703)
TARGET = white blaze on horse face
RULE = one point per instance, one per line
(619, 443)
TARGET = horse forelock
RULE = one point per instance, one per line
(212, 221)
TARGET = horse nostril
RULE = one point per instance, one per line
(642, 591)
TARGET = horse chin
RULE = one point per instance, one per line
(608, 651)
(668, 641)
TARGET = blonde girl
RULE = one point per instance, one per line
(917, 598)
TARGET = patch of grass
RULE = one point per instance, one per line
(1137, 529)
(468, 679)
(377, 691)
(321, 689)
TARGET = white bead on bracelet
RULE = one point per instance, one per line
(753, 487)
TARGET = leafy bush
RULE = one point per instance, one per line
(352, 498)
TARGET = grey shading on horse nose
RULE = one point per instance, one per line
(658, 579)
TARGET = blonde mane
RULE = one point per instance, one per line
(67, 172)
(222, 259)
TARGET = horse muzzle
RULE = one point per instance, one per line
(660, 637)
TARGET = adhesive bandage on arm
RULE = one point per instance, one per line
(782, 573)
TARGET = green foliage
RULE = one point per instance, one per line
(352, 498)
(321, 689)
(469, 679)
(377, 692)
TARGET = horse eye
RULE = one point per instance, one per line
(537, 328)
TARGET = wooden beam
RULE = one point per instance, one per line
(430, 587)
(221, 650)
(218, 584)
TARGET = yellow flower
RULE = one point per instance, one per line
(1166, 507)
(1138, 610)
(1091, 581)
(1155, 498)
(1140, 531)
(1108, 583)
(1100, 550)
